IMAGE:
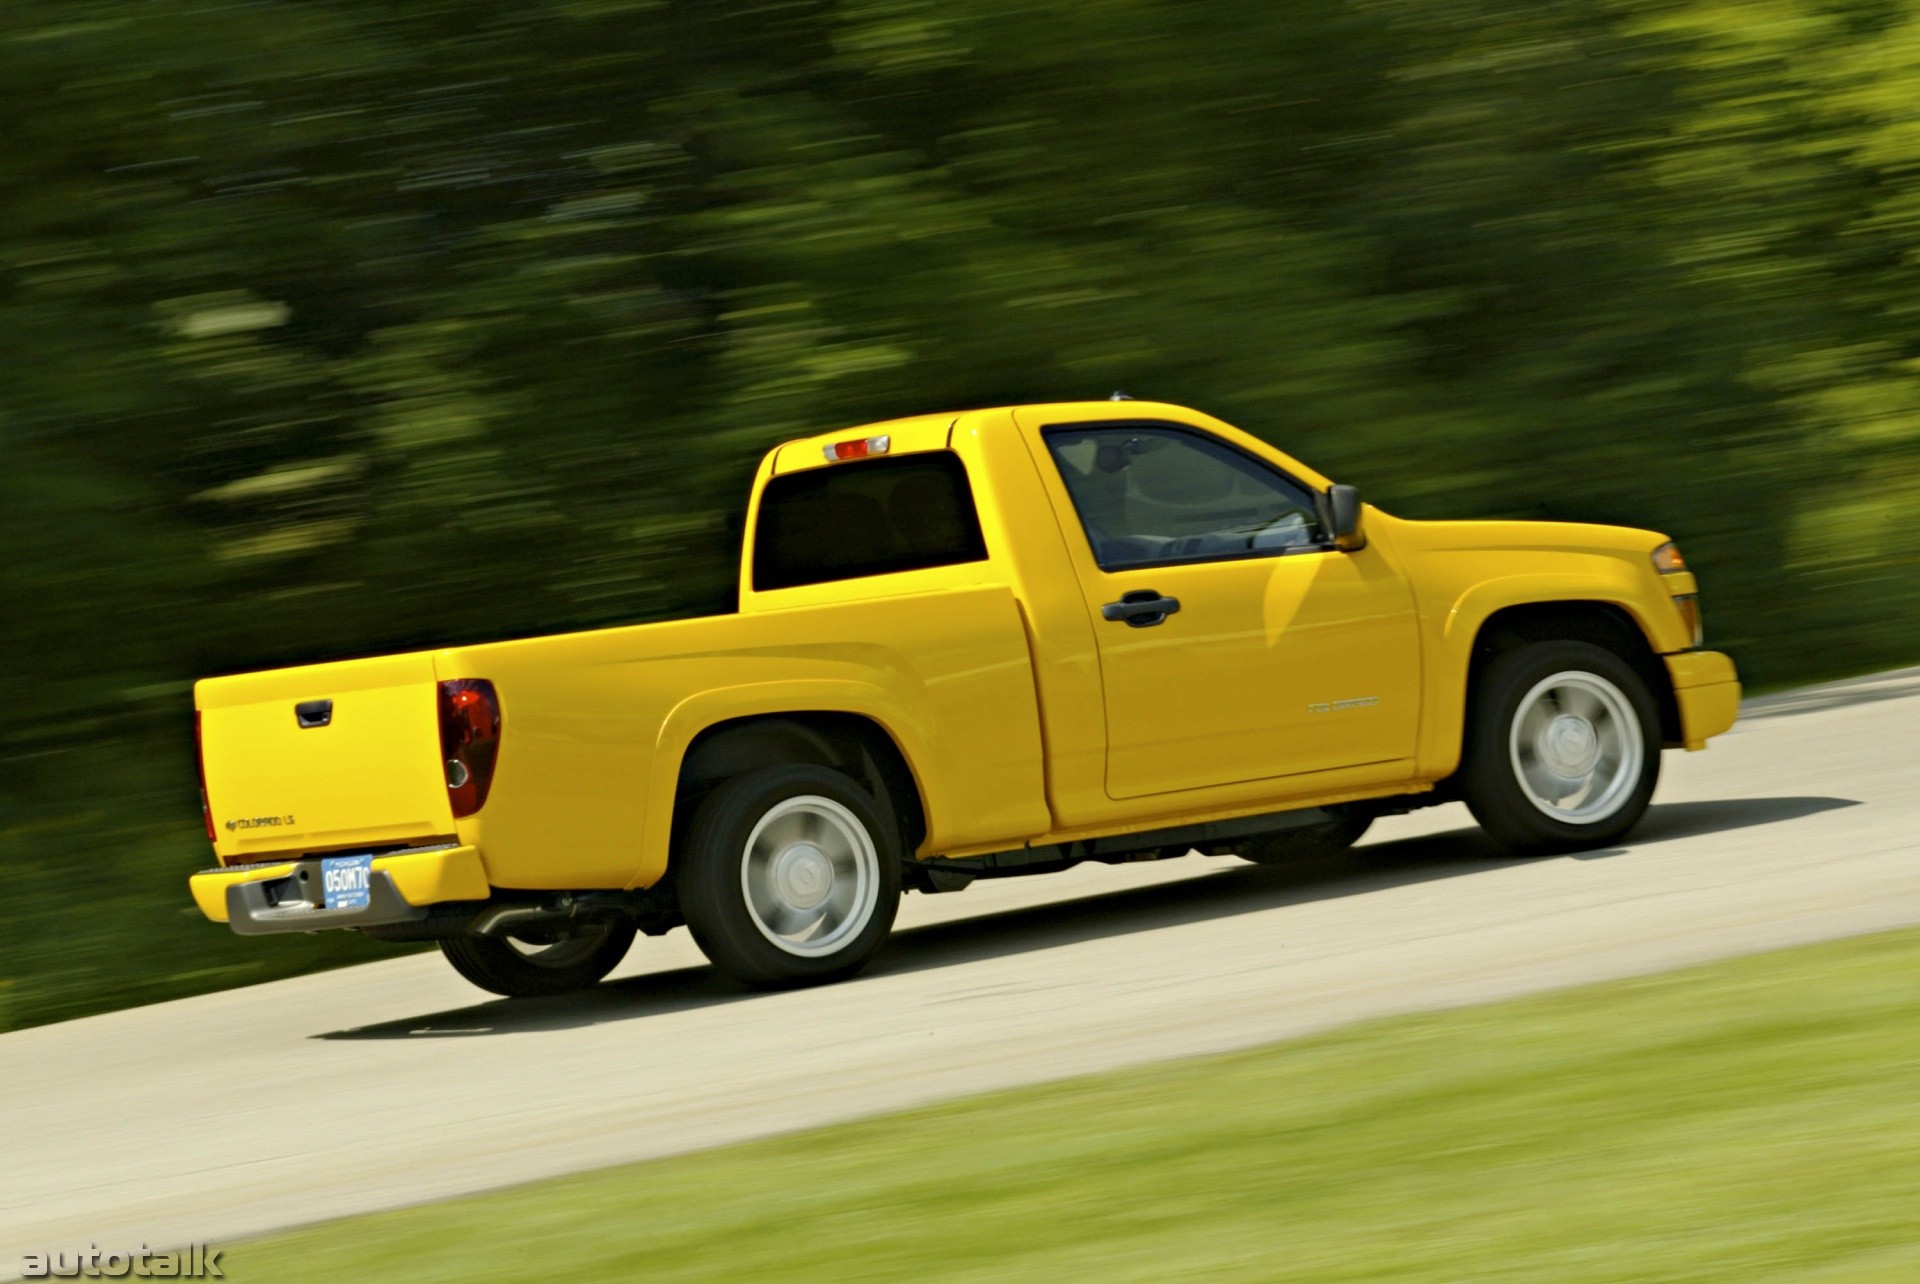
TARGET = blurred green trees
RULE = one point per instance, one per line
(328, 329)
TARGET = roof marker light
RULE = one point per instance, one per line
(859, 449)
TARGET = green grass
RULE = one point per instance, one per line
(1753, 1119)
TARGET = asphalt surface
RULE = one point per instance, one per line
(228, 1115)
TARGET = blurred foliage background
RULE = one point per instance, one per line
(338, 328)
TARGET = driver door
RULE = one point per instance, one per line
(1235, 643)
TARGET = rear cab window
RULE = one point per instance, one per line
(869, 517)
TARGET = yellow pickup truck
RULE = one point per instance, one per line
(967, 645)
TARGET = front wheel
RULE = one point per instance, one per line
(551, 963)
(788, 876)
(1562, 749)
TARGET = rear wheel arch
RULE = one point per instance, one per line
(1604, 624)
(852, 744)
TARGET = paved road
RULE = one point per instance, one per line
(222, 1116)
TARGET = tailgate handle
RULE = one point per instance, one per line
(314, 713)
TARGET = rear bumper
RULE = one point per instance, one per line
(285, 896)
(1707, 689)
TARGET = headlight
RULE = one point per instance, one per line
(1667, 559)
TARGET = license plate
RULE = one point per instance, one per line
(345, 880)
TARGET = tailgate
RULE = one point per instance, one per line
(286, 772)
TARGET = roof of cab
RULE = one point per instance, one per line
(934, 432)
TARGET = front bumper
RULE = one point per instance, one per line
(1706, 687)
(285, 896)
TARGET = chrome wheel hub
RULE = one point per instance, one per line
(810, 875)
(1576, 747)
(803, 875)
(1570, 746)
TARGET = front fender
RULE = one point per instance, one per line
(1616, 585)
(1452, 631)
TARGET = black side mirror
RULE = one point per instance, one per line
(1343, 518)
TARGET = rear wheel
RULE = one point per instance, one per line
(788, 876)
(552, 963)
(1562, 749)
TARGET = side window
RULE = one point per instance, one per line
(1150, 495)
(875, 517)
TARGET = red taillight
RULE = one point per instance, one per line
(469, 741)
(200, 762)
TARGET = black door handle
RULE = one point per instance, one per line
(1141, 608)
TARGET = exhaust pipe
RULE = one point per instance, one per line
(652, 912)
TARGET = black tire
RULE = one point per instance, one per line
(1307, 844)
(573, 962)
(807, 809)
(1496, 759)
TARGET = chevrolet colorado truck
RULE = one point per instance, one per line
(967, 645)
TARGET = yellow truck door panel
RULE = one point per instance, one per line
(1271, 667)
(1277, 655)
(365, 769)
